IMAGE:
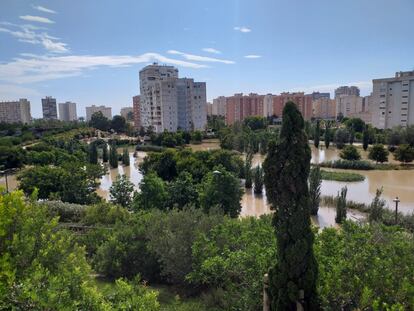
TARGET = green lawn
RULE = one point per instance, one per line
(341, 176)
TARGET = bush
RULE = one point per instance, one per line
(404, 153)
(342, 176)
(378, 153)
(350, 153)
(346, 164)
(67, 212)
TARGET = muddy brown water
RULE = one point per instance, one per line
(394, 182)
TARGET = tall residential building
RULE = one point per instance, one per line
(268, 105)
(347, 105)
(106, 111)
(219, 106)
(324, 108)
(209, 109)
(15, 111)
(67, 111)
(240, 106)
(318, 95)
(49, 108)
(302, 101)
(127, 113)
(169, 103)
(137, 111)
(347, 90)
(393, 101)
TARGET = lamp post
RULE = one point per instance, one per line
(396, 200)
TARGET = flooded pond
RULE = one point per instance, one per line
(394, 182)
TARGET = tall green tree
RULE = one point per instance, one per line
(315, 181)
(258, 180)
(248, 170)
(153, 193)
(93, 153)
(125, 157)
(365, 138)
(341, 206)
(105, 155)
(99, 121)
(350, 153)
(327, 136)
(286, 167)
(317, 134)
(404, 153)
(118, 124)
(113, 156)
(378, 153)
(121, 191)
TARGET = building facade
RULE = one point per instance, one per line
(209, 109)
(268, 105)
(324, 108)
(348, 105)
(219, 106)
(137, 111)
(15, 111)
(240, 106)
(127, 113)
(168, 102)
(302, 101)
(106, 111)
(318, 95)
(347, 90)
(49, 108)
(393, 101)
(67, 111)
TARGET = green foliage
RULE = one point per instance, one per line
(317, 134)
(118, 124)
(341, 206)
(350, 153)
(404, 153)
(248, 170)
(341, 176)
(327, 137)
(182, 191)
(221, 188)
(376, 209)
(93, 153)
(258, 179)
(153, 193)
(232, 258)
(105, 155)
(378, 153)
(355, 124)
(99, 121)
(286, 169)
(11, 157)
(255, 122)
(315, 182)
(67, 212)
(113, 156)
(125, 157)
(347, 164)
(216, 123)
(365, 138)
(197, 137)
(360, 269)
(121, 191)
(341, 137)
(104, 214)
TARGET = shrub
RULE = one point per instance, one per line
(350, 153)
(346, 164)
(378, 153)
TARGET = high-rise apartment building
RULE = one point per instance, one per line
(67, 111)
(106, 111)
(219, 106)
(347, 90)
(302, 101)
(209, 109)
(240, 106)
(127, 113)
(49, 108)
(268, 105)
(137, 111)
(348, 105)
(318, 95)
(324, 108)
(15, 111)
(170, 103)
(393, 101)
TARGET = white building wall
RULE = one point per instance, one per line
(268, 105)
(199, 102)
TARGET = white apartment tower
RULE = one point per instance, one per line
(170, 103)
(219, 106)
(67, 111)
(268, 105)
(15, 111)
(393, 101)
(106, 111)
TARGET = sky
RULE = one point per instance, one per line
(91, 51)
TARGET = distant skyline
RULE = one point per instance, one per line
(90, 52)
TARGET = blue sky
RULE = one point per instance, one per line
(91, 51)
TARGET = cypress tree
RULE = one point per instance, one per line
(125, 157)
(351, 136)
(293, 278)
(258, 180)
(341, 206)
(105, 155)
(317, 134)
(327, 136)
(248, 170)
(365, 138)
(315, 181)
(113, 156)
(93, 153)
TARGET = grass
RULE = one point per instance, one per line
(342, 176)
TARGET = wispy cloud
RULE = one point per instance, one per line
(29, 34)
(199, 58)
(37, 19)
(43, 9)
(252, 56)
(242, 29)
(12, 91)
(31, 68)
(211, 50)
